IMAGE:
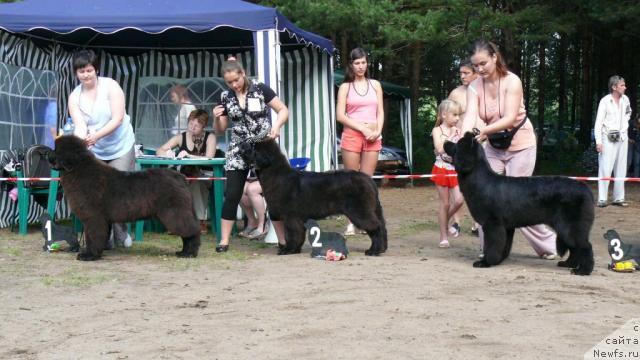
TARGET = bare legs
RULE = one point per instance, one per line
(364, 162)
(447, 209)
(252, 203)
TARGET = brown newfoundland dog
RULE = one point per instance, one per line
(100, 195)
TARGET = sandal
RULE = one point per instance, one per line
(246, 232)
(222, 248)
(602, 204)
(444, 244)
(620, 203)
(454, 230)
(548, 256)
(256, 234)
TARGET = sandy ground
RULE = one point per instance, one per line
(415, 302)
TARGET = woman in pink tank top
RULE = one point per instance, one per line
(496, 98)
(360, 111)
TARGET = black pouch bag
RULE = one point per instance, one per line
(613, 135)
(502, 140)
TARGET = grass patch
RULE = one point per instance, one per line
(251, 244)
(11, 251)
(182, 264)
(232, 254)
(154, 245)
(162, 247)
(76, 278)
(416, 227)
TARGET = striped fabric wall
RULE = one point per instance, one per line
(306, 85)
(405, 122)
(307, 91)
(9, 211)
(127, 70)
(267, 50)
(19, 52)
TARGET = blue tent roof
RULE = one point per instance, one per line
(78, 21)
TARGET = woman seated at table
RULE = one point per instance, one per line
(194, 143)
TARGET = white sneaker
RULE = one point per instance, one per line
(128, 241)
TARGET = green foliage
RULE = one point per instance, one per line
(579, 37)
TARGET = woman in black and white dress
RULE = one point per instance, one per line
(245, 107)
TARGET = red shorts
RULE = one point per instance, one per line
(353, 140)
(447, 181)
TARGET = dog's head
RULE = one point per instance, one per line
(466, 153)
(70, 152)
(263, 154)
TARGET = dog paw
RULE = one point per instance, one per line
(580, 271)
(185, 254)
(564, 263)
(481, 264)
(372, 252)
(284, 250)
(84, 256)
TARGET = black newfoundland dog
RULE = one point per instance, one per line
(100, 195)
(501, 204)
(296, 196)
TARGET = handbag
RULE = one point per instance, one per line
(502, 139)
(613, 135)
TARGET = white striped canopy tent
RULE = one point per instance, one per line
(178, 40)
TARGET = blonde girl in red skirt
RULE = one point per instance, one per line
(445, 130)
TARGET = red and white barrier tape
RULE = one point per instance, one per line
(422, 176)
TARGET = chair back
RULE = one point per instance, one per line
(36, 165)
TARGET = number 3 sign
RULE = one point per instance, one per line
(620, 251)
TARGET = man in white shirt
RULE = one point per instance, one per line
(612, 122)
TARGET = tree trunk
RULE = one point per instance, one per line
(526, 76)
(562, 81)
(415, 76)
(631, 74)
(512, 52)
(586, 112)
(575, 94)
(541, 75)
(344, 50)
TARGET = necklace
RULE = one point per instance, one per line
(451, 133)
(356, 89)
(484, 98)
(197, 140)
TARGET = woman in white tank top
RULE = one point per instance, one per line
(97, 109)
